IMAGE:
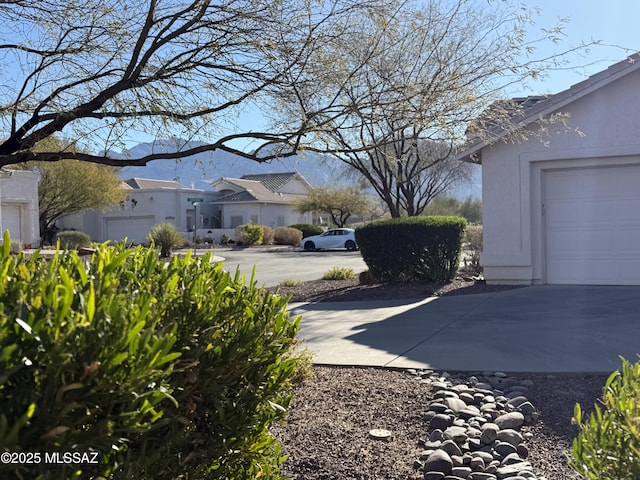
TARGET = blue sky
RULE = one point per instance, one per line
(612, 22)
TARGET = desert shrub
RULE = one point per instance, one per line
(267, 235)
(307, 229)
(16, 246)
(290, 283)
(473, 243)
(249, 234)
(608, 444)
(167, 237)
(287, 236)
(414, 249)
(339, 273)
(73, 239)
(166, 370)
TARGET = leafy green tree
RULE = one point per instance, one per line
(339, 203)
(70, 186)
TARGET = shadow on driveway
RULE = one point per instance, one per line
(548, 328)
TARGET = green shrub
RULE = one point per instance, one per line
(267, 235)
(414, 249)
(290, 283)
(73, 239)
(165, 369)
(307, 229)
(249, 234)
(287, 236)
(608, 445)
(167, 237)
(339, 273)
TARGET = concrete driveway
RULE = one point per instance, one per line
(274, 264)
(548, 328)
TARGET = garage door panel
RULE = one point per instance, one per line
(592, 225)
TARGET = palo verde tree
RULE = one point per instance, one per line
(415, 76)
(114, 70)
(339, 203)
(70, 186)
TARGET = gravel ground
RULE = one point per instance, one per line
(327, 437)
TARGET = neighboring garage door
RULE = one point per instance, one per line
(11, 221)
(592, 219)
(134, 229)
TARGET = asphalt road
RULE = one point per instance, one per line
(274, 265)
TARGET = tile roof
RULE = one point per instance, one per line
(252, 191)
(273, 181)
(152, 183)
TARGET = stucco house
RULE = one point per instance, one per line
(19, 206)
(564, 208)
(263, 199)
(147, 203)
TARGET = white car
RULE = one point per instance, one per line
(334, 238)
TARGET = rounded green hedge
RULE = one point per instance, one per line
(413, 249)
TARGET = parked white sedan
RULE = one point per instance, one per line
(334, 238)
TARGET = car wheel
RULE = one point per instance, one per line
(309, 246)
(350, 245)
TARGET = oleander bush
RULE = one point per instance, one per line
(166, 369)
(414, 249)
(287, 236)
(608, 444)
(73, 239)
(307, 230)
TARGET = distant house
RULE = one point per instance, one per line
(147, 203)
(19, 206)
(262, 199)
(567, 211)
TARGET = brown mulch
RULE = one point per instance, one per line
(326, 435)
(352, 290)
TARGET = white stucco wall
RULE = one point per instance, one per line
(512, 176)
(142, 208)
(19, 193)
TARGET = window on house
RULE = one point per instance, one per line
(281, 220)
(254, 219)
(236, 220)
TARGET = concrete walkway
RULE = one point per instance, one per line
(550, 328)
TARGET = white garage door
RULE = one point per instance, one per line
(134, 229)
(11, 221)
(592, 219)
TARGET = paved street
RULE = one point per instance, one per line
(276, 264)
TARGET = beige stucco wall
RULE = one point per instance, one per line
(603, 130)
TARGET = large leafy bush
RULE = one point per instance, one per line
(167, 370)
(414, 249)
(608, 445)
(70, 239)
(287, 236)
